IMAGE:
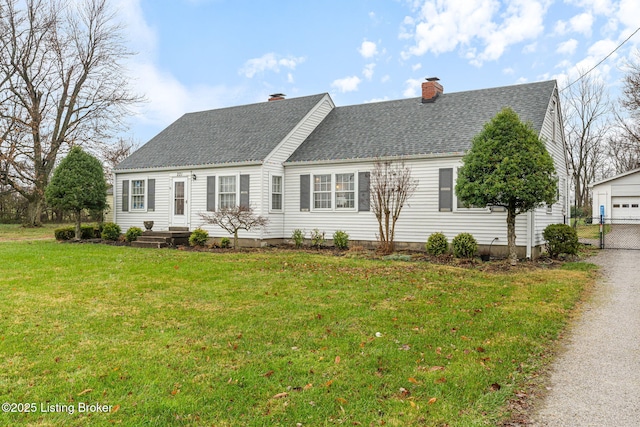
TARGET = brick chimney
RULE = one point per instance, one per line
(277, 96)
(431, 89)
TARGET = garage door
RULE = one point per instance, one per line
(625, 207)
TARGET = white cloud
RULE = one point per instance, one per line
(367, 72)
(369, 101)
(508, 71)
(474, 26)
(385, 78)
(290, 78)
(269, 62)
(416, 67)
(560, 28)
(629, 12)
(599, 7)
(582, 23)
(568, 47)
(413, 87)
(347, 84)
(530, 48)
(167, 97)
(368, 49)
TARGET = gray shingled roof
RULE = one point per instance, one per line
(409, 127)
(228, 135)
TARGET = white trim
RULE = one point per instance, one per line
(295, 129)
(145, 195)
(622, 175)
(189, 167)
(270, 185)
(375, 159)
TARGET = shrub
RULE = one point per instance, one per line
(341, 239)
(87, 232)
(561, 239)
(437, 244)
(225, 243)
(198, 237)
(464, 246)
(132, 234)
(110, 231)
(64, 233)
(298, 237)
(317, 238)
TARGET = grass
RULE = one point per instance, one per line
(169, 337)
(591, 231)
(18, 232)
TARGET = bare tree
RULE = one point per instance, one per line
(234, 219)
(391, 187)
(61, 84)
(112, 154)
(624, 141)
(586, 112)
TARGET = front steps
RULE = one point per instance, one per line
(162, 239)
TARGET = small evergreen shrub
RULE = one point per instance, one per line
(198, 237)
(87, 232)
(317, 238)
(225, 243)
(64, 233)
(110, 231)
(561, 239)
(298, 237)
(437, 244)
(464, 246)
(341, 239)
(132, 234)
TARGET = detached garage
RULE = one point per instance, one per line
(619, 195)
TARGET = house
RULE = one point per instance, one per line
(305, 163)
(619, 196)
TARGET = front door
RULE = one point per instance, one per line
(179, 209)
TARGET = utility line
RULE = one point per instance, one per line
(603, 59)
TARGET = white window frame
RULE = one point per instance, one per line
(329, 191)
(271, 193)
(236, 193)
(352, 191)
(145, 197)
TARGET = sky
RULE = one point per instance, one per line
(194, 55)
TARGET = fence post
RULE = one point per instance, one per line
(601, 231)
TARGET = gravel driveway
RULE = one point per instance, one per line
(596, 381)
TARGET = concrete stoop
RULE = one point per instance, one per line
(162, 239)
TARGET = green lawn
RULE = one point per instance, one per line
(169, 337)
(18, 232)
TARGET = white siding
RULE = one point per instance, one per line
(297, 136)
(627, 185)
(419, 218)
(552, 133)
(160, 216)
(199, 196)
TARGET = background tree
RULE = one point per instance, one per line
(624, 140)
(509, 166)
(586, 112)
(234, 219)
(78, 184)
(61, 84)
(391, 186)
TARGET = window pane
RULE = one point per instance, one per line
(322, 183)
(276, 186)
(227, 201)
(322, 200)
(345, 182)
(345, 200)
(137, 194)
(276, 202)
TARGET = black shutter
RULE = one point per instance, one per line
(211, 193)
(445, 194)
(151, 194)
(364, 194)
(244, 191)
(305, 193)
(125, 195)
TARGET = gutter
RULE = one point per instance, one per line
(374, 159)
(190, 167)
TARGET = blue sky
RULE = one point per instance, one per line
(197, 55)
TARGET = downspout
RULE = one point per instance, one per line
(115, 200)
(530, 231)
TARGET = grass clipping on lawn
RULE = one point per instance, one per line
(271, 338)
